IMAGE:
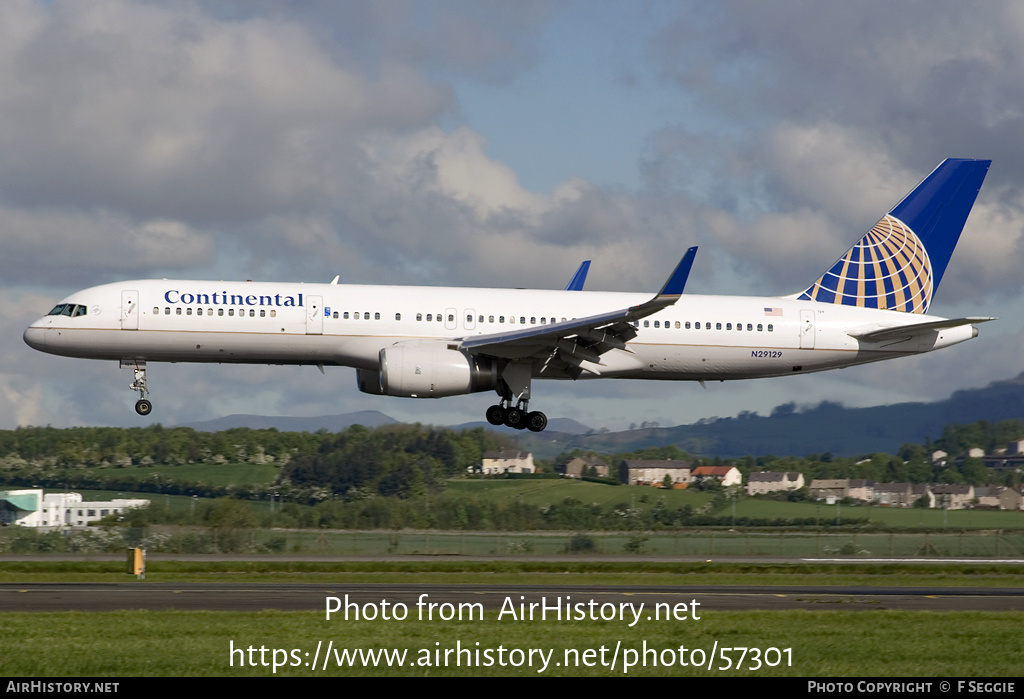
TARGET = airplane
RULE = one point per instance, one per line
(431, 342)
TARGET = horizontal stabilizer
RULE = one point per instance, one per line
(876, 332)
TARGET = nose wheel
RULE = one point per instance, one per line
(143, 406)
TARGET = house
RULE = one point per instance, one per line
(952, 496)
(497, 462)
(32, 508)
(829, 489)
(987, 496)
(860, 489)
(726, 475)
(772, 481)
(894, 494)
(653, 472)
(586, 465)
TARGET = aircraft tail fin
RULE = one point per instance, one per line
(899, 263)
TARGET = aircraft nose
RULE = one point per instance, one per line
(35, 337)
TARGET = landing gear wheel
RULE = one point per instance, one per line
(536, 421)
(496, 415)
(143, 407)
(515, 418)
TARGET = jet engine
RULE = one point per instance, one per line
(430, 372)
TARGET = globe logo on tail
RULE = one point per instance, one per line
(888, 269)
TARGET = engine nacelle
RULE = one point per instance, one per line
(433, 372)
(368, 381)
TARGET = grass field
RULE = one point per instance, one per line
(833, 642)
(806, 644)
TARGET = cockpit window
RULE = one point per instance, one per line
(68, 309)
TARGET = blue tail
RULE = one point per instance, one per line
(580, 278)
(899, 263)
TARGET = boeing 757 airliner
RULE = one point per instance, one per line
(431, 342)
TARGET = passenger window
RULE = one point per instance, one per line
(398, 316)
(501, 319)
(231, 312)
(718, 326)
(199, 311)
(430, 317)
(687, 325)
(490, 319)
(533, 320)
(647, 323)
(177, 311)
(273, 313)
(482, 319)
(366, 315)
(263, 314)
(770, 328)
(167, 311)
(156, 311)
(543, 320)
(419, 316)
(252, 312)
(657, 323)
(760, 328)
(728, 326)
(469, 318)
(220, 311)
(376, 316)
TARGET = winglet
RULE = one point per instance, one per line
(578, 279)
(676, 282)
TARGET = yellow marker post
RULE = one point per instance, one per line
(137, 562)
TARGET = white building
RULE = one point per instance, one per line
(498, 462)
(31, 508)
(771, 481)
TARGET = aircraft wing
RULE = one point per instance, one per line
(875, 332)
(572, 342)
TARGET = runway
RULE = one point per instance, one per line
(250, 597)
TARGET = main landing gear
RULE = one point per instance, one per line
(142, 406)
(517, 417)
(514, 385)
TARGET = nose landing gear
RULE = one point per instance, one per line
(143, 406)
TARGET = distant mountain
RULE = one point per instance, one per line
(331, 423)
(828, 427)
(561, 425)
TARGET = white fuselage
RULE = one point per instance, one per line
(698, 338)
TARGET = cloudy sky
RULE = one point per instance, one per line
(493, 144)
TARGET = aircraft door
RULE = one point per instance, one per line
(806, 329)
(314, 315)
(129, 310)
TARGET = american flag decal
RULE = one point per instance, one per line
(773, 311)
